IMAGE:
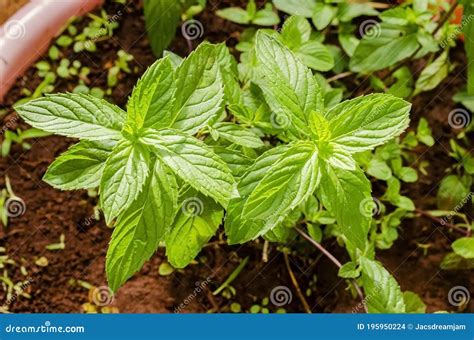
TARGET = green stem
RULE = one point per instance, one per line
(232, 276)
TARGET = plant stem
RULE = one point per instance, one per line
(232, 276)
(320, 247)
(296, 285)
(335, 261)
(190, 45)
(339, 76)
(440, 222)
(446, 17)
(8, 186)
(265, 251)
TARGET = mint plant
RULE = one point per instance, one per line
(319, 156)
(145, 160)
(158, 183)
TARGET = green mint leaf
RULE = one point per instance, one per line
(296, 7)
(407, 174)
(433, 74)
(319, 126)
(464, 247)
(230, 75)
(349, 271)
(288, 85)
(193, 161)
(379, 169)
(348, 42)
(365, 122)
(278, 181)
(235, 160)
(396, 16)
(142, 226)
(349, 11)
(239, 230)
(287, 184)
(251, 8)
(346, 194)
(316, 56)
(296, 34)
(385, 293)
(200, 97)
(453, 261)
(174, 59)
(74, 115)
(161, 18)
(390, 45)
(123, 178)
(413, 303)
(239, 135)
(266, 17)
(295, 31)
(340, 158)
(323, 14)
(423, 133)
(152, 98)
(80, 167)
(196, 222)
(452, 191)
(235, 14)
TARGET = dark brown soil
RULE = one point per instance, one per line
(50, 213)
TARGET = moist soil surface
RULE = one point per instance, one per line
(57, 283)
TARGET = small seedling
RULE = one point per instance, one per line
(120, 65)
(61, 245)
(165, 269)
(20, 137)
(231, 278)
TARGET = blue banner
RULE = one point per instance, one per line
(237, 326)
